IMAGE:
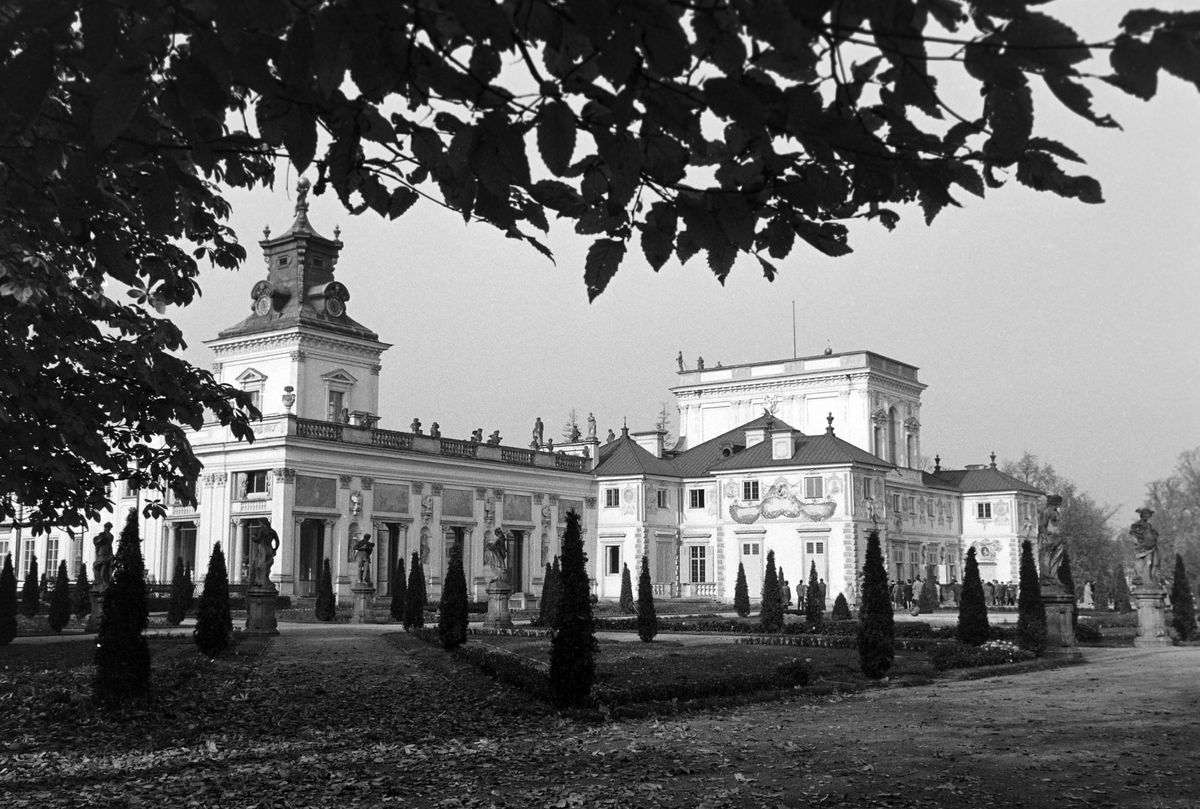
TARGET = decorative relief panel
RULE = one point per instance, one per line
(316, 492)
(390, 497)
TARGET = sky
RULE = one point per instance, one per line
(1040, 325)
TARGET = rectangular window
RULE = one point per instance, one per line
(613, 559)
(612, 498)
(255, 484)
(696, 498)
(696, 565)
(749, 549)
(814, 488)
(808, 547)
(983, 511)
(662, 498)
(256, 398)
(820, 547)
(749, 489)
(5, 549)
(52, 556)
(27, 550)
(337, 400)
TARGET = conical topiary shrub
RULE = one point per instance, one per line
(841, 609)
(1183, 607)
(626, 600)
(122, 653)
(81, 594)
(31, 600)
(399, 591)
(414, 604)
(741, 593)
(1031, 612)
(555, 594)
(214, 623)
(972, 607)
(452, 613)
(573, 646)
(8, 602)
(876, 626)
(180, 592)
(647, 616)
(546, 605)
(814, 605)
(770, 614)
(927, 599)
(60, 600)
(326, 607)
(1068, 582)
(1120, 590)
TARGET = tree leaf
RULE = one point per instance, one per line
(560, 197)
(1077, 98)
(603, 260)
(1134, 66)
(119, 94)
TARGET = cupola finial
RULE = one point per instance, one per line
(829, 421)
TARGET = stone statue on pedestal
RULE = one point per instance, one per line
(495, 555)
(1051, 544)
(591, 426)
(1145, 548)
(102, 567)
(538, 432)
(362, 555)
(263, 545)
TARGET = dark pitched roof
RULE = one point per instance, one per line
(988, 479)
(932, 481)
(697, 460)
(626, 457)
(809, 450)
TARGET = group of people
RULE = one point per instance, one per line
(785, 592)
(1001, 593)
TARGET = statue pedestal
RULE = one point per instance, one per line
(97, 598)
(260, 611)
(364, 598)
(1152, 628)
(498, 616)
(1060, 631)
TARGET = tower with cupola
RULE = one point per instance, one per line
(299, 351)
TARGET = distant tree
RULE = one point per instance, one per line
(399, 591)
(1176, 503)
(770, 613)
(972, 607)
(876, 626)
(662, 423)
(122, 653)
(60, 600)
(31, 596)
(625, 602)
(82, 594)
(927, 599)
(326, 606)
(1100, 594)
(1120, 590)
(570, 430)
(1031, 612)
(8, 602)
(1183, 607)
(181, 590)
(573, 645)
(741, 593)
(814, 605)
(452, 613)
(647, 617)
(841, 609)
(414, 607)
(214, 623)
(1068, 581)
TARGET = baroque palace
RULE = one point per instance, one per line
(801, 456)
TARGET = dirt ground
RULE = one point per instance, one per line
(339, 716)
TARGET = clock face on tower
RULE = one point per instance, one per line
(263, 305)
(334, 307)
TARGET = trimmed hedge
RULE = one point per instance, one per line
(963, 656)
(838, 642)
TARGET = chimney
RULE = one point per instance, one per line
(651, 441)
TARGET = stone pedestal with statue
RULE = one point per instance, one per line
(364, 603)
(1060, 626)
(96, 595)
(499, 590)
(1149, 599)
(260, 610)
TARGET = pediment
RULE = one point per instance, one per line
(251, 375)
(339, 376)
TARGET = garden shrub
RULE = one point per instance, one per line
(214, 623)
(1086, 632)
(770, 614)
(972, 608)
(962, 656)
(81, 594)
(399, 591)
(1031, 612)
(8, 602)
(122, 653)
(647, 618)
(876, 626)
(180, 590)
(625, 602)
(814, 605)
(927, 599)
(31, 597)
(573, 648)
(326, 607)
(841, 609)
(60, 601)
(1183, 607)
(1120, 591)
(414, 608)
(741, 593)
(452, 616)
